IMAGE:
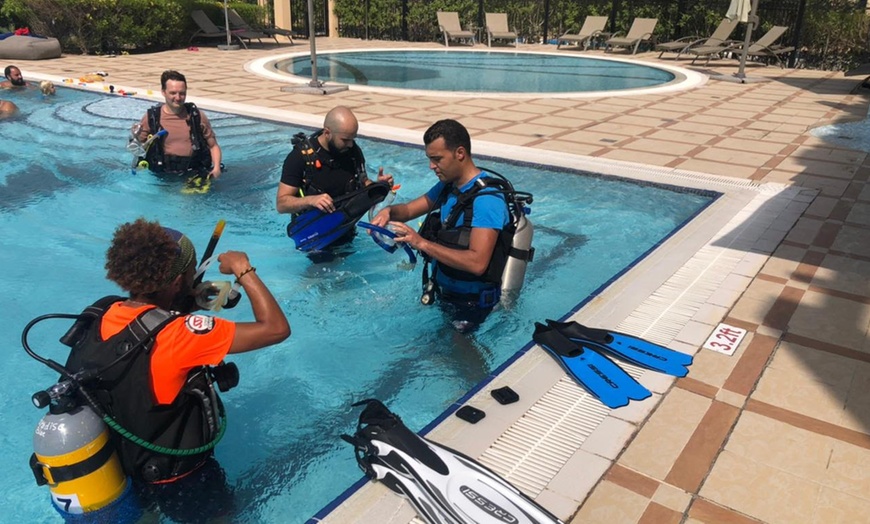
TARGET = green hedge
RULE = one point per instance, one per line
(116, 26)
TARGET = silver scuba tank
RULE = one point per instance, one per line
(515, 267)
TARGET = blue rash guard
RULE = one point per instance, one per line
(490, 212)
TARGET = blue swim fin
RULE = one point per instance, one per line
(315, 230)
(595, 372)
(632, 349)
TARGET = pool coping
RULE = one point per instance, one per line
(685, 79)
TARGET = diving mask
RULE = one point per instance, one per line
(214, 295)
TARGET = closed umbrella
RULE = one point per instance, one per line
(739, 10)
(230, 46)
(749, 16)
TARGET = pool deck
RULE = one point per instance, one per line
(777, 433)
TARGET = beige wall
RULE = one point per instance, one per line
(282, 14)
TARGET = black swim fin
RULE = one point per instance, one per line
(315, 230)
(595, 372)
(443, 485)
(632, 349)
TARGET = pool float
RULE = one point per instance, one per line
(28, 47)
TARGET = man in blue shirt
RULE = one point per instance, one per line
(462, 228)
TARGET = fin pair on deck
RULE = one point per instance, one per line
(443, 485)
(315, 230)
(581, 351)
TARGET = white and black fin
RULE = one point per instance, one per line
(443, 485)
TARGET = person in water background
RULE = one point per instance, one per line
(462, 279)
(320, 169)
(335, 166)
(190, 143)
(47, 88)
(7, 109)
(156, 266)
(13, 78)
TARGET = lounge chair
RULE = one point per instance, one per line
(239, 23)
(719, 37)
(641, 31)
(764, 46)
(448, 24)
(207, 29)
(497, 29)
(592, 27)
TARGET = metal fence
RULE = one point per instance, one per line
(819, 30)
(299, 13)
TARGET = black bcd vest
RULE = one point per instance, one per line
(156, 156)
(124, 392)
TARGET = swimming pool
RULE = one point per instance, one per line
(65, 185)
(453, 72)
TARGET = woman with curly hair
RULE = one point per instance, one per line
(164, 391)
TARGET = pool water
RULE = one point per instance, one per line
(358, 328)
(477, 71)
(852, 135)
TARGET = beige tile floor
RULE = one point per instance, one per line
(777, 433)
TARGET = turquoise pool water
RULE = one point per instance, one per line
(478, 71)
(358, 328)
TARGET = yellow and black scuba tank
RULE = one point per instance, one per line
(75, 456)
(74, 453)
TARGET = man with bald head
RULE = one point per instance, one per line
(324, 166)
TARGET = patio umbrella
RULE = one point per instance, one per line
(315, 86)
(751, 19)
(314, 81)
(230, 46)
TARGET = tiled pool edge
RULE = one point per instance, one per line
(719, 272)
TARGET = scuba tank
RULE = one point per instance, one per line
(75, 457)
(519, 257)
(73, 452)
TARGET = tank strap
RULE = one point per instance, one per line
(58, 474)
(149, 323)
(522, 254)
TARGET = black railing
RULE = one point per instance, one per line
(299, 13)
